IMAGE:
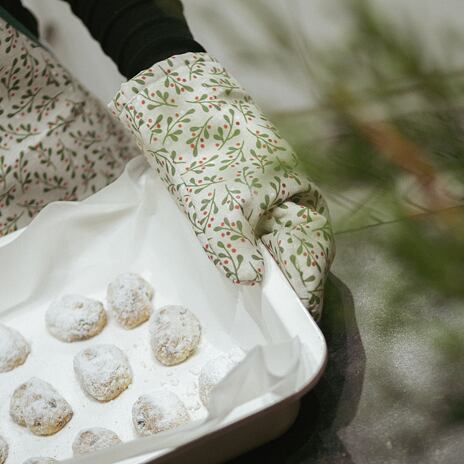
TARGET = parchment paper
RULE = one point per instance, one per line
(134, 225)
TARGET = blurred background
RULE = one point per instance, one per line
(369, 93)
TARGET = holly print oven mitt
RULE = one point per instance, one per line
(230, 171)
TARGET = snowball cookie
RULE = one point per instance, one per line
(160, 411)
(103, 371)
(14, 349)
(175, 334)
(94, 439)
(40, 460)
(38, 406)
(129, 297)
(3, 450)
(75, 317)
(214, 371)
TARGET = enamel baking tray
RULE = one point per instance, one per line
(133, 225)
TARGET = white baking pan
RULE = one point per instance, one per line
(133, 225)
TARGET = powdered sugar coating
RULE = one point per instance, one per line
(214, 371)
(36, 405)
(14, 349)
(157, 412)
(3, 450)
(75, 317)
(175, 334)
(94, 439)
(129, 298)
(103, 371)
(40, 460)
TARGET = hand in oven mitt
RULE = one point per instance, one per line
(230, 172)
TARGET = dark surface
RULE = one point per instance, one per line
(389, 394)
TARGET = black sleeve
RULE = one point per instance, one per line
(22, 15)
(136, 33)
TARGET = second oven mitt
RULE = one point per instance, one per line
(230, 171)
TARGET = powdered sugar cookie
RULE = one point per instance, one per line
(14, 349)
(3, 450)
(40, 460)
(75, 317)
(214, 371)
(94, 439)
(157, 412)
(129, 298)
(175, 334)
(38, 406)
(103, 371)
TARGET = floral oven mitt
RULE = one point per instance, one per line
(230, 172)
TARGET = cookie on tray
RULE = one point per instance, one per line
(74, 317)
(103, 371)
(157, 412)
(14, 349)
(35, 404)
(214, 371)
(129, 298)
(94, 439)
(175, 334)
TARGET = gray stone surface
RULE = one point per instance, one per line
(393, 390)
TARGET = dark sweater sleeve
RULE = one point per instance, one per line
(136, 33)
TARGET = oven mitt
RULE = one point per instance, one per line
(230, 171)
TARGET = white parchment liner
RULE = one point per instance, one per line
(134, 225)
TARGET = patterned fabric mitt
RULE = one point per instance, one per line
(57, 142)
(230, 172)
